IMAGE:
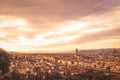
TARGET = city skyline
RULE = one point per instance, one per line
(59, 25)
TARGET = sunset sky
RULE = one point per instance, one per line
(59, 25)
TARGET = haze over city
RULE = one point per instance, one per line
(59, 25)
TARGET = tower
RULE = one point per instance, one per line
(76, 51)
(77, 56)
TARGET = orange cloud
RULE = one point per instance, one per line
(59, 25)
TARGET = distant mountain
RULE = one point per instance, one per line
(97, 51)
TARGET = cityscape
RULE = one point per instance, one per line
(57, 66)
(59, 39)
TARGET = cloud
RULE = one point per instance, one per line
(48, 25)
(97, 36)
(55, 10)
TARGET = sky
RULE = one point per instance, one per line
(59, 25)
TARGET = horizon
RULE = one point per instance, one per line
(59, 25)
(66, 52)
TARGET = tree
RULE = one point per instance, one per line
(4, 62)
